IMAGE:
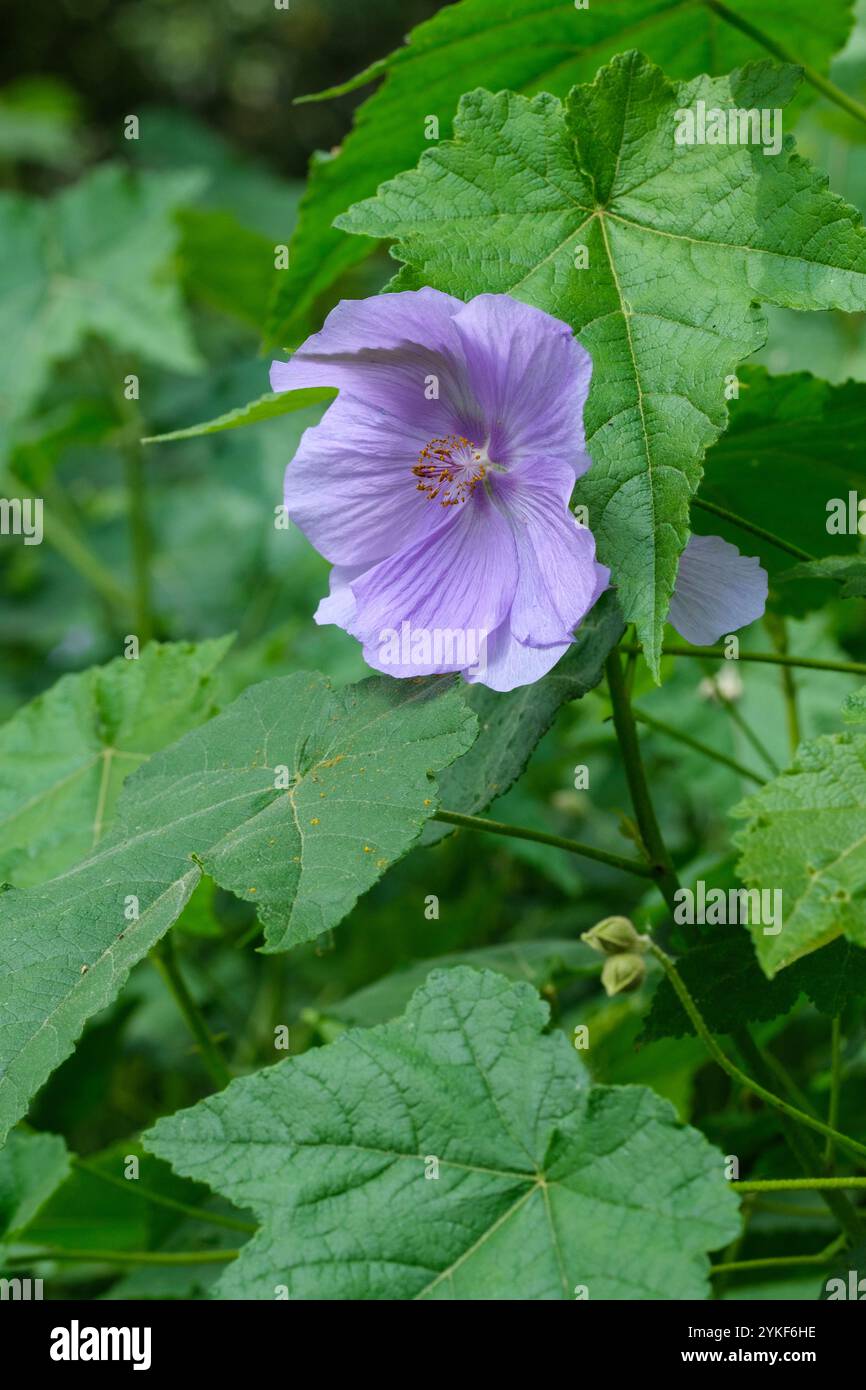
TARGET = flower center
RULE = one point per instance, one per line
(450, 469)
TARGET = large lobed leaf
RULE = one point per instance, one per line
(510, 725)
(92, 260)
(806, 835)
(528, 46)
(359, 764)
(545, 1185)
(64, 756)
(681, 242)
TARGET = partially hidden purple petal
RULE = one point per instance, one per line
(339, 606)
(717, 591)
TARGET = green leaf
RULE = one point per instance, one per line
(854, 707)
(65, 756)
(539, 963)
(32, 1167)
(681, 240)
(529, 46)
(99, 1206)
(849, 571)
(544, 1183)
(725, 981)
(296, 798)
(267, 407)
(511, 724)
(227, 265)
(723, 977)
(40, 123)
(831, 977)
(779, 423)
(806, 835)
(92, 260)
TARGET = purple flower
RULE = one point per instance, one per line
(438, 483)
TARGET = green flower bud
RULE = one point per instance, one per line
(614, 935)
(622, 973)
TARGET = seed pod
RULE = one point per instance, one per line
(614, 935)
(622, 973)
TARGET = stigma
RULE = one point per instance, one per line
(450, 469)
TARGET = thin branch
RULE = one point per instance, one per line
(663, 870)
(736, 717)
(760, 531)
(808, 663)
(800, 1141)
(812, 76)
(778, 631)
(780, 1261)
(835, 1086)
(123, 1257)
(704, 748)
(519, 832)
(69, 544)
(735, 1072)
(797, 1184)
(134, 1189)
(164, 960)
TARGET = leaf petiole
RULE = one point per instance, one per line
(520, 832)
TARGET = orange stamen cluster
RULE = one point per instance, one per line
(438, 471)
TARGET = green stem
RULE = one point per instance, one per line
(779, 634)
(140, 538)
(797, 1184)
(134, 1189)
(519, 832)
(835, 1087)
(808, 1213)
(751, 526)
(822, 84)
(704, 748)
(74, 550)
(661, 864)
(124, 1257)
(706, 1037)
(780, 1261)
(780, 1074)
(745, 729)
(163, 958)
(850, 668)
(801, 1142)
(128, 440)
